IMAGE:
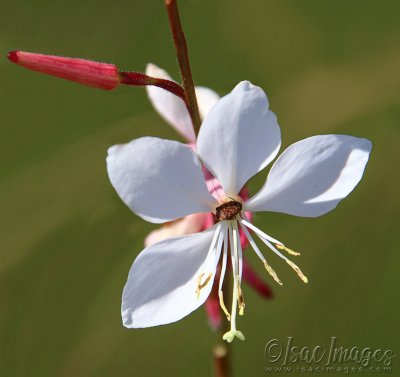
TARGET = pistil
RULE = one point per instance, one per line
(234, 244)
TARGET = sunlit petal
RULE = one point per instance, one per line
(239, 137)
(160, 180)
(313, 175)
(163, 281)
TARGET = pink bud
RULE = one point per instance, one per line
(86, 72)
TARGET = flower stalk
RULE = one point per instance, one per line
(221, 360)
(183, 60)
(140, 79)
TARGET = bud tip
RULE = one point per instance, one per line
(13, 56)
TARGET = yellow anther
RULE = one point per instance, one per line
(289, 251)
(201, 285)
(223, 307)
(297, 269)
(272, 273)
(241, 301)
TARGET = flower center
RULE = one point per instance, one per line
(228, 211)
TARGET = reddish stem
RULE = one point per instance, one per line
(221, 361)
(183, 60)
(140, 79)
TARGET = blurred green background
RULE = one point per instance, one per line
(67, 241)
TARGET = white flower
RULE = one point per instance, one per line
(162, 180)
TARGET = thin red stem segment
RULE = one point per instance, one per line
(183, 60)
(140, 79)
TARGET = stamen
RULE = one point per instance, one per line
(233, 245)
(240, 263)
(289, 262)
(289, 251)
(272, 273)
(240, 252)
(219, 243)
(259, 254)
(259, 231)
(215, 238)
(224, 257)
(241, 301)
(297, 269)
(252, 243)
(272, 247)
(222, 305)
(237, 254)
(200, 285)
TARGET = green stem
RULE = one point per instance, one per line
(183, 60)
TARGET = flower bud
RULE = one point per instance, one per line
(86, 72)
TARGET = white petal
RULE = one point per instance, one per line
(160, 180)
(239, 137)
(169, 106)
(313, 175)
(162, 282)
(206, 99)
